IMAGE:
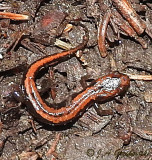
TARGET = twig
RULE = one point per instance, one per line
(127, 29)
(102, 33)
(140, 77)
(53, 147)
(14, 16)
(125, 8)
(145, 134)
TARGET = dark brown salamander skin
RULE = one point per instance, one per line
(104, 88)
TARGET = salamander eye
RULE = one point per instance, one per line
(124, 78)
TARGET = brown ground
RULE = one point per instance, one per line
(127, 134)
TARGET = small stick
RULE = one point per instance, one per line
(63, 44)
(14, 16)
(140, 77)
(4, 6)
(102, 33)
(68, 28)
(54, 145)
(123, 24)
(126, 28)
(125, 8)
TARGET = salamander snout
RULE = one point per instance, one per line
(125, 81)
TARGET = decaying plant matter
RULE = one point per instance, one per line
(123, 19)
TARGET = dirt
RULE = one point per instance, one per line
(125, 134)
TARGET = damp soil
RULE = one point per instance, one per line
(125, 134)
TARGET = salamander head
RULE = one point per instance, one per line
(124, 81)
